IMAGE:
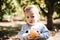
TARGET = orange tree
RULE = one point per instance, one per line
(51, 6)
(6, 6)
(1, 12)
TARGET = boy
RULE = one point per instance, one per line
(33, 29)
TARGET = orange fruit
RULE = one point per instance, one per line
(33, 34)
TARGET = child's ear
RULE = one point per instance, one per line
(24, 7)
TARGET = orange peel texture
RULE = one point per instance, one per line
(33, 34)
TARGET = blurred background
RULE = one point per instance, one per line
(12, 17)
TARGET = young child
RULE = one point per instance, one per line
(33, 29)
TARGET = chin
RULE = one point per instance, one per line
(31, 24)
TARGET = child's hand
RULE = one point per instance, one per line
(36, 38)
(29, 38)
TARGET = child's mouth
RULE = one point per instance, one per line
(30, 22)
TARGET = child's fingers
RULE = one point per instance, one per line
(37, 38)
(29, 38)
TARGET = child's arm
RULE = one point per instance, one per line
(44, 32)
(22, 33)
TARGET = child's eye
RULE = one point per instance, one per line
(32, 16)
(27, 17)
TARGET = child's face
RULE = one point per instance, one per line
(31, 18)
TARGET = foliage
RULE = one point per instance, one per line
(8, 6)
(57, 8)
(56, 4)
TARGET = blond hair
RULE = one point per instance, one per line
(32, 8)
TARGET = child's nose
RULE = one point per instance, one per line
(30, 19)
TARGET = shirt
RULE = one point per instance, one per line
(41, 28)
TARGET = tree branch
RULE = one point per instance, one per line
(43, 11)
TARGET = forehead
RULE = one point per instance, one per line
(30, 13)
(31, 10)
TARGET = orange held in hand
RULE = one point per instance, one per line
(33, 34)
